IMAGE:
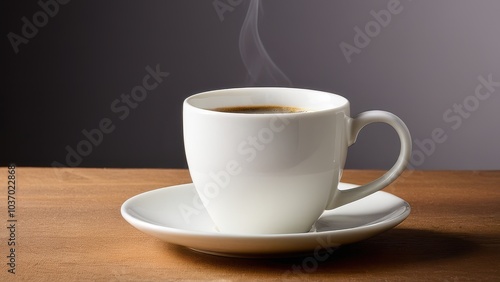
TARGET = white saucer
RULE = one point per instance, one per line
(173, 214)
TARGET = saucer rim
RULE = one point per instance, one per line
(392, 221)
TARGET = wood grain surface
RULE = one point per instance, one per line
(69, 228)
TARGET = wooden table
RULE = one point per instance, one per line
(69, 227)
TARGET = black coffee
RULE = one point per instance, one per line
(267, 109)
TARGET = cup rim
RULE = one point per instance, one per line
(325, 101)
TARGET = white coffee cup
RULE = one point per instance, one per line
(262, 173)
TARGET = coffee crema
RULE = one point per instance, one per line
(263, 109)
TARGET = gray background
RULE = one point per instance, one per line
(426, 60)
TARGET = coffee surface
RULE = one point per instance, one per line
(264, 109)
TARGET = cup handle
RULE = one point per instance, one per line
(354, 126)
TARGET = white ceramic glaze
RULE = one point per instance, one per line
(175, 215)
(276, 173)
